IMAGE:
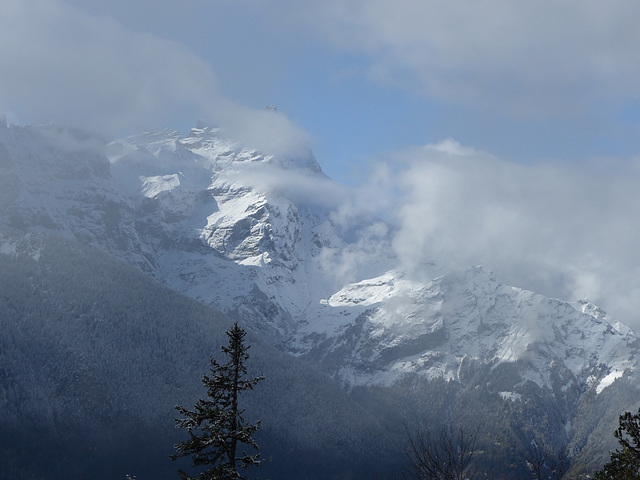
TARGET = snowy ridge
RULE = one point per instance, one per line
(407, 328)
(222, 230)
(207, 217)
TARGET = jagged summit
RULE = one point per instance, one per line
(223, 151)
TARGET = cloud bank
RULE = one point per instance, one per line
(62, 65)
(530, 59)
(556, 229)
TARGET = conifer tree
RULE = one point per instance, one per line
(216, 426)
(624, 462)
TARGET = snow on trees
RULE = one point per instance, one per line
(216, 426)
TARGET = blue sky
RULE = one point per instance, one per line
(498, 132)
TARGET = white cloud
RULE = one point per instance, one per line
(529, 58)
(298, 184)
(60, 64)
(556, 229)
(270, 131)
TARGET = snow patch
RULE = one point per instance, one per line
(154, 186)
(608, 380)
(512, 396)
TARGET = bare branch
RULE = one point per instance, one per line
(450, 456)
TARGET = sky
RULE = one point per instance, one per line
(496, 132)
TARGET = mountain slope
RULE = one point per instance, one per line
(58, 180)
(466, 348)
(94, 356)
(205, 204)
(434, 329)
(262, 238)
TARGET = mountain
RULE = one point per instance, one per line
(398, 327)
(518, 365)
(208, 205)
(264, 238)
(94, 355)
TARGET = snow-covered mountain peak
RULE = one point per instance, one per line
(254, 236)
(585, 305)
(368, 292)
(210, 143)
(400, 327)
(473, 282)
(206, 204)
(164, 149)
(223, 152)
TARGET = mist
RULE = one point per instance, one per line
(77, 69)
(562, 229)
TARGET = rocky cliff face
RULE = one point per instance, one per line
(226, 224)
(58, 180)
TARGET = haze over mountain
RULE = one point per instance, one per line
(512, 124)
(265, 239)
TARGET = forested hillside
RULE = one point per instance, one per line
(94, 355)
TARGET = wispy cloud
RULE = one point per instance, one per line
(270, 131)
(61, 65)
(295, 183)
